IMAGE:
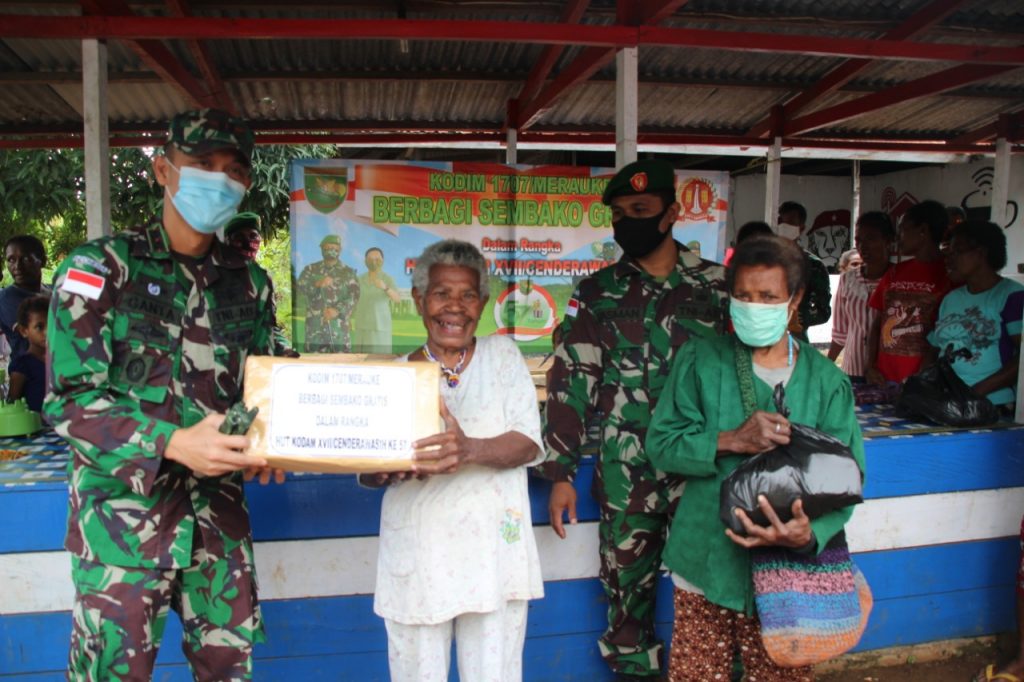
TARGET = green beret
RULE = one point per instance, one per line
(242, 221)
(649, 176)
(207, 130)
(331, 239)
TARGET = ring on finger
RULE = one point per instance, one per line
(778, 427)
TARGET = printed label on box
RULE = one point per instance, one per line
(330, 411)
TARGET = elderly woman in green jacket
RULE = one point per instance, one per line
(701, 429)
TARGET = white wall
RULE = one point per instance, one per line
(964, 184)
(960, 184)
(822, 196)
(818, 193)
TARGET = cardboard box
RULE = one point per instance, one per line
(340, 413)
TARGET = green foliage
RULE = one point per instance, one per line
(42, 192)
(275, 257)
(269, 195)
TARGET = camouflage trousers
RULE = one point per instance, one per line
(327, 337)
(630, 546)
(119, 616)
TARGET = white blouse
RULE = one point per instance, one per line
(463, 542)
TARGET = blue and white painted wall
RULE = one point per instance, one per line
(937, 540)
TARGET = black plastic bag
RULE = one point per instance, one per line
(814, 467)
(940, 396)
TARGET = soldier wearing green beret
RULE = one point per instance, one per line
(148, 334)
(243, 232)
(330, 290)
(620, 332)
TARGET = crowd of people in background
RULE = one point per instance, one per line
(657, 349)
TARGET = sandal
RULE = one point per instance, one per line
(989, 674)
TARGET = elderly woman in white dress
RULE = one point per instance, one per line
(457, 551)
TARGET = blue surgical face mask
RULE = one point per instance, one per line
(205, 199)
(759, 325)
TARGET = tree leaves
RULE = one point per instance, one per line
(42, 191)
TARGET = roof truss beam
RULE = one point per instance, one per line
(215, 84)
(152, 52)
(216, 28)
(572, 14)
(127, 77)
(936, 83)
(926, 17)
(1010, 125)
(590, 60)
(653, 141)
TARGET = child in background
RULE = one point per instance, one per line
(28, 371)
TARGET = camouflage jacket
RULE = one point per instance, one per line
(142, 342)
(614, 361)
(341, 293)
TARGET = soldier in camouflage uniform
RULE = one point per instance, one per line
(620, 332)
(243, 233)
(148, 335)
(331, 291)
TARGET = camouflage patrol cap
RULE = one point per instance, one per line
(329, 240)
(242, 221)
(206, 130)
(649, 176)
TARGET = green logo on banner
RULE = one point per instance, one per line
(326, 187)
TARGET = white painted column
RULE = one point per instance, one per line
(97, 138)
(626, 84)
(1001, 182)
(773, 182)
(511, 150)
(855, 204)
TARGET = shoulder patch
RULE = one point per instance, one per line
(83, 283)
(572, 308)
(91, 263)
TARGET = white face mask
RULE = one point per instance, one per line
(787, 231)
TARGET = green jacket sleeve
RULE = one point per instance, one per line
(103, 421)
(683, 436)
(572, 393)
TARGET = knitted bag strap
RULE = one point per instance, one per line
(745, 376)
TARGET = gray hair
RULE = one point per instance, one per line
(844, 260)
(450, 252)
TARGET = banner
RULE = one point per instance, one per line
(358, 227)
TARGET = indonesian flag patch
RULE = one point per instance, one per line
(83, 283)
(572, 308)
(639, 181)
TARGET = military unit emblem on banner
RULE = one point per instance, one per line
(697, 198)
(326, 188)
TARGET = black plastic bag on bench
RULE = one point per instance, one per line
(814, 467)
(940, 396)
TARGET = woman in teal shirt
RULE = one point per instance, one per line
(984, 315)
(700, 429)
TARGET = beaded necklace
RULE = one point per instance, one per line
(451, 375)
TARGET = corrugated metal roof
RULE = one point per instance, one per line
(449, 84)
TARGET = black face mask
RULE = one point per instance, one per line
(639, 236)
